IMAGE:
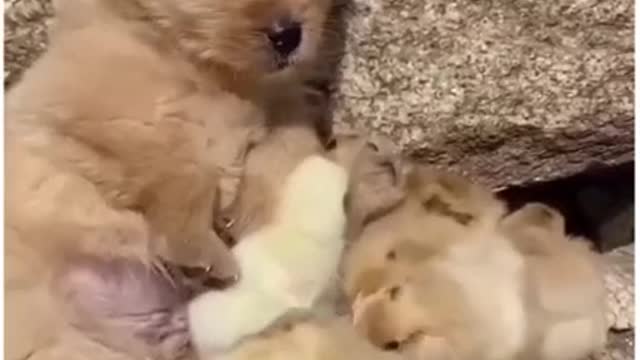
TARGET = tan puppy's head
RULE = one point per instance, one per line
(438, 210)
(243, 36)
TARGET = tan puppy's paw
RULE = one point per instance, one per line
(216, 252)
(202, 259)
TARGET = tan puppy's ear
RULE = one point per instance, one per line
(378, 183)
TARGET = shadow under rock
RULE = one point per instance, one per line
(597, 204)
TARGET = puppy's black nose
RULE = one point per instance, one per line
(285, 36)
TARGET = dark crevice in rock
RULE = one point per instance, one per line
(597, 203)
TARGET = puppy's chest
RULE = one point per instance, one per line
(213, 129)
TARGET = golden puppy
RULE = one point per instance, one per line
(116, 140)
(146, 139)
(565, 282)
(435, 278)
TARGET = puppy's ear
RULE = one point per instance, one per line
(378, 184)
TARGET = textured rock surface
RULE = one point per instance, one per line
(25, 34)
(619, 280)
(507, 91)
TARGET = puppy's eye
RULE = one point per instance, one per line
(391, 345)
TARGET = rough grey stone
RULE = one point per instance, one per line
(25, 34)
(506, 91)
(619, 281)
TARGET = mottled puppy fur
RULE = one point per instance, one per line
(434, 278)
(117, 138)
(565, 284)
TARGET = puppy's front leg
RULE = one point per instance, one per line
(182, 211)
(218, 130)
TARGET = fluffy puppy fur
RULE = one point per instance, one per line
(566, 302)
(117, 136)
(150, 143)
(435, 278)
(296, 251)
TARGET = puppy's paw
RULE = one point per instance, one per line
(205, 259)
(223, 264)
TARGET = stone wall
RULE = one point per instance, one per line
(507, 91)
